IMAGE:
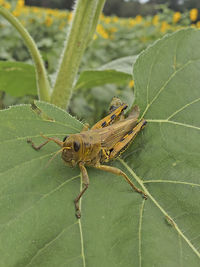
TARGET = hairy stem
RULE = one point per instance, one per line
(84, 17)
(99, 9)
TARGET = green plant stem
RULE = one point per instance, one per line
(84, 17)
(99, 9)
(42, 79)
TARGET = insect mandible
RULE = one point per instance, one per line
(105, 141)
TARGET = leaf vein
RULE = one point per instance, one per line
(45, 246)
(140, 233)
(180, 232)
(43, 197)
(172, 182)
(174, 122)
(167, 81)
(26, 137)
(26, 162)
(182, 108)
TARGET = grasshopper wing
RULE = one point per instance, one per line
(114, 133)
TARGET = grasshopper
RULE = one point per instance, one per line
(105, 141)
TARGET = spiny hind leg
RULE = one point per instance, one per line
(55, 140)
(121, 173)
(111, 118)
(114, 104)
(126, 140)
(133, 114)
(85, 181)
(116, 112)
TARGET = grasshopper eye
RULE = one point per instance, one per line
(112, 108)
(65, 138)
(76, 146)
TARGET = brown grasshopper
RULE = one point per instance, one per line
(105, 141)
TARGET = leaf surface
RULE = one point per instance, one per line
(17, 78)
(118, 71)
(166, 157)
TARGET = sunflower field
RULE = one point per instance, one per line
(114, 38)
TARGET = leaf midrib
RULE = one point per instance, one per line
(174, 122)
(194, 249)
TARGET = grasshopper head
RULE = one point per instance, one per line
(71, 149)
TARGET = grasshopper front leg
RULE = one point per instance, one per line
(119, 172)
(55, 140)
(85, 181)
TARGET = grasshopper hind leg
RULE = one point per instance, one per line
(121, 173)
(126, 140)
(111, 118)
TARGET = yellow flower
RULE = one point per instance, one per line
(164, 26)
(20, 3)
(101, 31)
(69, 18)
(132, 22)
(115, 19)
(48, 21)
(155, 20)
(107, 20)
(198, 24)
(16, 12)
(102, 16)
(138, 18)
(62, 15)
(131, 84)
(95, 36)
(193, 14)
(5, 4)
(113, 29)
(35, 9)
(176, 17)
(105, 35)
(62, 25)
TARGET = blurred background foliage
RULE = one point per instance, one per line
(123, 8)
(125, 29)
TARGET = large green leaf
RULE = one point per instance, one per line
(117, 71)
(166, 159)
(118, 228)
(17, 78)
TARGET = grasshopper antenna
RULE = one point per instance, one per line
(53, 157)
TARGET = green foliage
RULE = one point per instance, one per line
(118, 227)
(17, 78)
(117, 71)
(115, 38)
